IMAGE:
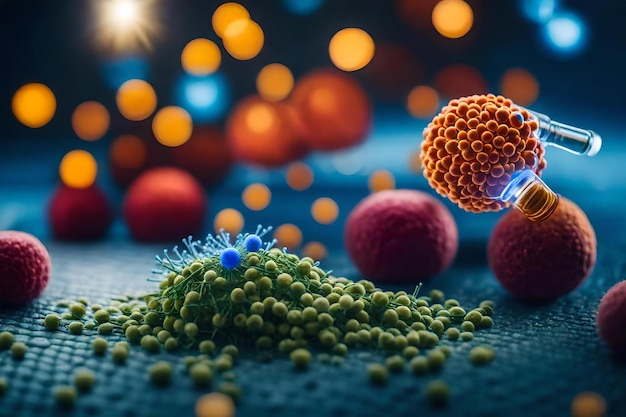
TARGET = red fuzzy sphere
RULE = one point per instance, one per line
(164, 204)
(401, 236)
(543, 261)
(79, 214)
(611, 319)
(24, 268)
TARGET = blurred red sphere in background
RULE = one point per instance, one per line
(460, 80)
(206, 155)
(261, 132)
(334, 111)
(164, 204)
(79, 214)
(394, 70)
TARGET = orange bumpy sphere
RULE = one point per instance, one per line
(543, 261)
(471, 148)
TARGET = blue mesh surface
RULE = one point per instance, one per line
(545, 354)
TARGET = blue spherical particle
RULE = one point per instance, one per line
(230, 258)
(253, 243)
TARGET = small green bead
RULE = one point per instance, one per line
(4, 386)
(223, 363)
(161, 373)
(18, 350)
(474, 316)
(101, 316)
(300, 358)
(436, 359)
(52, 321)
(84, 379)
(78, 309)
(451, 302)
(105, 329)
(231, 389)
(437, 392)
(207, 347)
(467, 336)
(486, 322)
(99, 346)
(90, 325)
(377, 373)
(191, 330)
(230, 350)
(395, 363)
(452, 333)
(380, 299)
(65, 396)
(201, 375)
(437, 326)
(150, 344)
(410, 352)
(119, 354)
(6, 340)
(481, 355)
(436, 296)
(468, 326)
(321, 304)
(75, 327)
(419, 365)
(171, 344)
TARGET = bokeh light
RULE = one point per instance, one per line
(215, 404)
(274, 82)
(34, 105)
(136, 100)
(243, 39)
(206, 155)
(90, 120)
(415, 162)
(78, 169)
(201, 57)
(117, 71)
(351, 49)
(261, 132)
(334, 110)
(453, 18)
(565, 34)
(299, 176)
(172, 126)
(520, 86)
(302, 7)
(381, 180)
(125, 25)
(538, 11)
(256, 196)
(423, 102)
(288, 236)
(206, 98)
(324, 210)
(230, 220)
(460, 80)
(315, 250)
(225, 14)
(128, 151)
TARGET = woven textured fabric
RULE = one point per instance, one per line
(545, 354)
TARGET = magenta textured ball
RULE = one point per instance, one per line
(24, 268)
(543, 261)
(401, 236)
(611, 318)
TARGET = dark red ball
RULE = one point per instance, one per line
(79, 214)
(24, 268)
(543, 261)
(401, 236)
(611, 318)
(163, 205)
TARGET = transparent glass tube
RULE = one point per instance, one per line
(531, 195)
(566, 137)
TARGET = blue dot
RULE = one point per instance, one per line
(565, 34)
(302, 7)
(206, 98)
(230, 258)
(253, 243)
(519, 116)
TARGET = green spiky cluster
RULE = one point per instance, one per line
(250, 295)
